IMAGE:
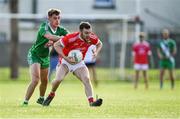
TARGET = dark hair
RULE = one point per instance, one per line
(85, 25)
(53, 11)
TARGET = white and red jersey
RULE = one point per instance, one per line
(74, 41)
(141, 50)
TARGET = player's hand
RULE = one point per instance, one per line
(49, 43)
(70, 60)
(94, 55)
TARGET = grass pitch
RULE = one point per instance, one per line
(120, 99)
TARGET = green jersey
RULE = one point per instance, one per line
(167, 47)
(38, 47)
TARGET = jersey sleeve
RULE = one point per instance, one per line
(43, 29)
(94, 39)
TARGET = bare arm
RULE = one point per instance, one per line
(174, 51)
(98, 49)
(59, 49)
(52, 37)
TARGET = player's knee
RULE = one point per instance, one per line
(35, 81)
(59, 78)
(86, 80)
(57, 81)
(36, 77)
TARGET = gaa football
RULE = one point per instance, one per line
(76, 54)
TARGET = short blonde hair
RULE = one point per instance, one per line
(142, 34)
(53, 11)
(165, 31)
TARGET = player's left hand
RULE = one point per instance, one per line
(94, 54)
(49, 43)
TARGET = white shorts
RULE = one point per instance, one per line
(141, 66)
(71, 67)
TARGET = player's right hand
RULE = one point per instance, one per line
(70, 60)
(49, 44)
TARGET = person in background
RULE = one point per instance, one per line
(141, 51)
(166, 51)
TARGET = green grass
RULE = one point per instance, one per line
(120, 99)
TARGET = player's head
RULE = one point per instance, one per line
(141, 36)
(85, 30)
(165, 33)
(54, 17)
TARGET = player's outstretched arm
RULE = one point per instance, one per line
(58, 47)
(98, 48)
(52, 37)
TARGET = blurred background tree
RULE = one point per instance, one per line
(14, 42)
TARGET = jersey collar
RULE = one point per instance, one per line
(80, 37)
(54, 31)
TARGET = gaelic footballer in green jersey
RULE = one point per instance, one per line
(38, 55)
(39, 52)
(166, 52)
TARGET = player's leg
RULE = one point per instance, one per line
(35, 77)
(136, 79)
(145, 79)
(94, 75)
(164, 64)
(170, 67)
(137, 68)
(50, 71)
(43, 85)
(61, 72)
(145, 68)
(162, 71)
(171, 76)
(83, 74)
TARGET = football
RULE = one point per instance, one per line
(76, 54)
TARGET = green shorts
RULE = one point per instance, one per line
(166, 64)
(33, 58)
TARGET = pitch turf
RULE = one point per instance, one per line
(120, 99)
